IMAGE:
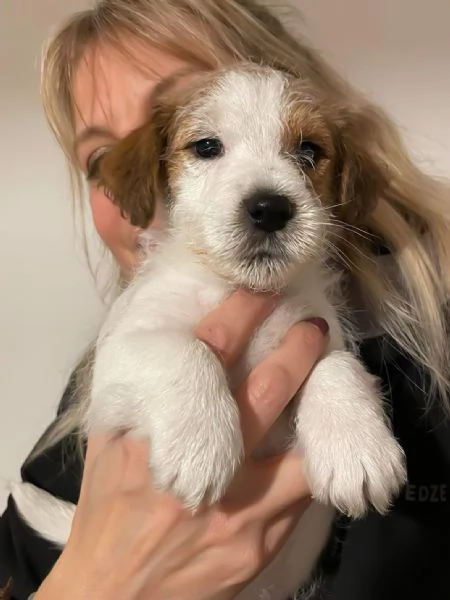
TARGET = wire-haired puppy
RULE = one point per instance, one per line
(258, 172)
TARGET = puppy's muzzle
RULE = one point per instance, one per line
(269, 211)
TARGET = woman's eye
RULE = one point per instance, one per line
(208, 148)
(309, 153)
(93, 163)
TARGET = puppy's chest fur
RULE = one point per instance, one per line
(169, 293)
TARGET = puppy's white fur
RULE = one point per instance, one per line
(154, 378)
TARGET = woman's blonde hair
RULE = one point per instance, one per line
(411, 219)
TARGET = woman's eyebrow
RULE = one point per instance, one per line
(91, 132)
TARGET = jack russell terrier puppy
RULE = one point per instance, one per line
(262, 178)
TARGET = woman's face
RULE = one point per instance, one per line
(112, 96)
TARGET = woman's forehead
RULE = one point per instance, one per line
(112, 88)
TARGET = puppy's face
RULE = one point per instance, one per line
(250, 165)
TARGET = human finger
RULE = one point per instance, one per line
(229, 328)
(274, 382)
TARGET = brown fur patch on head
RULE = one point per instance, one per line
(348, 174)
(304, 121)
(135, 171)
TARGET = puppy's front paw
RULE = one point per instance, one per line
(196, 455)
(352, 459)
(191, 419)
(169, 387)
(351, 471)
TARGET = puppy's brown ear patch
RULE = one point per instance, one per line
(361, 176)
(132, 173)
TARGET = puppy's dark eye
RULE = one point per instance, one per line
(309, 153)
(208, 148)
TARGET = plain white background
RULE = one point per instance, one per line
(398, 51)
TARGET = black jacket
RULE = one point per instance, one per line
(403, 556)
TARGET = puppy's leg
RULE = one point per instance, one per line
(351, 456)
(170, 387)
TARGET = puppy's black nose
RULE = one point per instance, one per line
(269, 211)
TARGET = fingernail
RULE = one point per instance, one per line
(320, 323)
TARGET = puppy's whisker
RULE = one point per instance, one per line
(339, 224)
(342, 226)
(358, 250)
(354, 228)
(330, 208)
(343, 258)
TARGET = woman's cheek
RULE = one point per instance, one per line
(105, 216)
(115, 231)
